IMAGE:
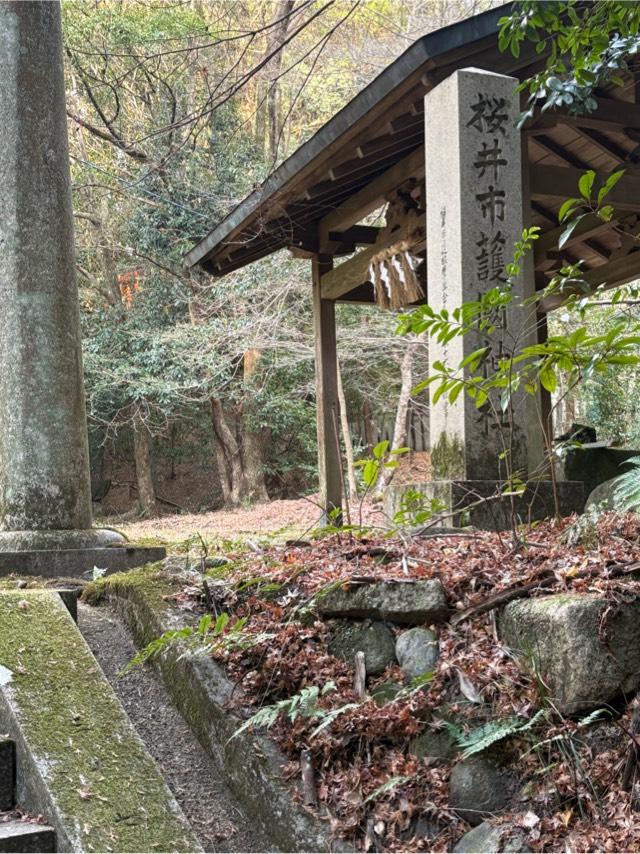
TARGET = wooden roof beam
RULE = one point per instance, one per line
(611, 115)
(559, 182)
(611, 275)
(371, 196)
(603, 144)
(552, 147)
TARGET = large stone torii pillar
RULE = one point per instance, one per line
(45, 493)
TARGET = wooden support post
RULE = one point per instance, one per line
(536, 445)
(545, 396)
(327, 406)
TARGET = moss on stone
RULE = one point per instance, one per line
(447, 458)
(152, 579)
(252, 766)
(107, 790)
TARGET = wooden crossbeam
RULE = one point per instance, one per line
(552, 147)
(558, 182)
(603, 144)
(354, 272)
(372, 196)
(357, 234)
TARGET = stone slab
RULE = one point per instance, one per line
(7, 774)
(536, 502)
(80, 762)
(23, 838)
(409, 603)
(594, 466)
(70, 563)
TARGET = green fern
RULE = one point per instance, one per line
(480, 738)
(390, 786)
(200, 639)
(305, 703)
(626, 495)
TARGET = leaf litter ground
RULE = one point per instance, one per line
(377, 794)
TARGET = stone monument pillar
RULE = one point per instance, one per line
(474, 218)
(45, 494)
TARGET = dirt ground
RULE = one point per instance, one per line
(283, 518)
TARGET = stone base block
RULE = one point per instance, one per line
(583, 662)
(48, 540)
(20, 836)
(465, 500)
(78, 562)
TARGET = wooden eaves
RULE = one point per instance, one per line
(314, 203)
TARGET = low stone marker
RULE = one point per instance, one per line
(584, 661)
(80, 762)
(78, 563)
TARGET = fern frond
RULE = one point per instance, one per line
(480, 738)
(626, 495)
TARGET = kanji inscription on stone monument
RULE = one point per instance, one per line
(474, 219)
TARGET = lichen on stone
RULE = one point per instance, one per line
(105, 786)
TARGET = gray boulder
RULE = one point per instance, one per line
(417, 651)
(486, 838)
(478, 789)
(436, 744)
(374, 639)
(602, 497)
(583, 666)
(411, 603)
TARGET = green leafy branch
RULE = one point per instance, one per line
(587, 45)
(204, 638)
(587, 203)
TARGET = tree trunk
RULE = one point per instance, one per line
(402, 410)
(252, 440)
(232, 460)
(275, 38)
(348, 444)
(367, 420)
(144, 475)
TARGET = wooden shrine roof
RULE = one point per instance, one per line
(311, 202)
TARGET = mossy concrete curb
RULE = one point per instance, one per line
(252, 765)
(80, 761)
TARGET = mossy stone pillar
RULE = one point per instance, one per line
(45, 495)
(474, 218)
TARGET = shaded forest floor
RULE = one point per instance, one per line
(370, 781)
(280, 519)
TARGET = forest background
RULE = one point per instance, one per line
(200, 390)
